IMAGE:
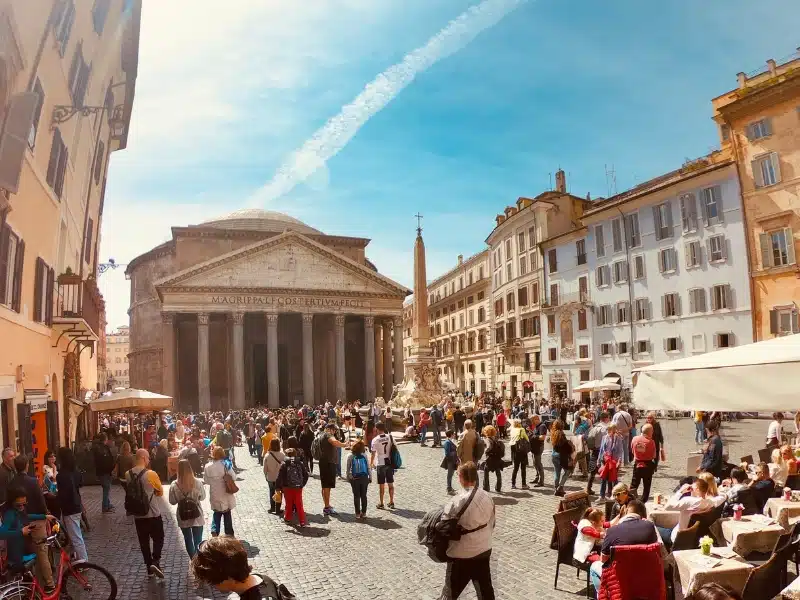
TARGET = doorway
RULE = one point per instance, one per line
(283, 375)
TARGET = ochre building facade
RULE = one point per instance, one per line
(259, 308)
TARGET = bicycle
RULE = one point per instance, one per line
(81, 581)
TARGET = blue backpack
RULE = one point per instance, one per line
(359, 466)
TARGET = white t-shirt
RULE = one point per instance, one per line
(774, 431)
(382, 447)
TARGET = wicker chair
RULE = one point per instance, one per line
(765, 455)
(565, 543)
(765, 581)
(687, 539)
(747, 459)
(705, 520)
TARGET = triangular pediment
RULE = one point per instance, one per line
(288, 261)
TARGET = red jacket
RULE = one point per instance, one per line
(635, 573)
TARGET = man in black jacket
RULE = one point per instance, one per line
(103, 467)
(436, 425)
(7, 472)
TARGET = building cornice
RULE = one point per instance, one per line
(476, 286)
(159, 251)
(201, 231)
(244, 291)
(563, 238)
(767, 93)
(483, 254)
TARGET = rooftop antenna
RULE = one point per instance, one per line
(419, 224)
(611, 181)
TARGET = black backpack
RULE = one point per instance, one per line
(188, 509)
(435, 532)
(136, 501)
(271, 590)
(479, 448)
(523, 446)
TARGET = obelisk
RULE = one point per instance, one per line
(421, 364)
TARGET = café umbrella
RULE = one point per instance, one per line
(131, 400)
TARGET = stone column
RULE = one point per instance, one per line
(273, 392)
(237, 356)
(387, 360)
(203, 372)
(397, 326)
(369, 358)
(341, 383)
(168, 376)
(308, 359)
(378, 358)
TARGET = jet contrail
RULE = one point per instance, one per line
(340, 129)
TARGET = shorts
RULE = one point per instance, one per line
(327, 475)
(385, 474)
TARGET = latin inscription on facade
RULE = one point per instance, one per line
(289, 301)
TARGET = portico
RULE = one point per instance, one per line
(283, 322)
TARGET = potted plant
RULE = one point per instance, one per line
(706, 543)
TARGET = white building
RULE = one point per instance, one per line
(668, 270)
(117, 367)
(567, 317)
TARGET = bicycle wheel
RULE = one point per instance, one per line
(89, 582)
(19, 590)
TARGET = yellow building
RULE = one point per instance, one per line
(759, 125)
(117, 348)
(67, 78)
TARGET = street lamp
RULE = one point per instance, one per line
(111, 264)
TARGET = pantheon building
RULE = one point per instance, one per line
(259, 308)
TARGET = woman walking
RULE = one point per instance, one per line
(520, 446)
(272, 465)
(292, 478)
(610, 457)
(125, 462)
(69, 499)
(450, 461)
(188, 492)
(561, 457)
(359, 475)
(493, 458)
(222, 501)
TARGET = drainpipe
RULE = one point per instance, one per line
(630, 289)
(747, 232)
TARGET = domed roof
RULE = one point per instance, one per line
(255, 219)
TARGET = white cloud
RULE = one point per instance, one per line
(340, 129)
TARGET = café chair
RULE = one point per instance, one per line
(765, 455)
(688, 539)
(566, 532)
(793, 482)
(764, 581)
(747, 459)
(635, 572)
(705, 520)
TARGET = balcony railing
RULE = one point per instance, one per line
(583, 297)
(78, 300)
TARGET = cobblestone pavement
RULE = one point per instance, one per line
(338, 557)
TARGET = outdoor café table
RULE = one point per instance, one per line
(662, 517)
(754, 533)
(696, 570)
(782, 510)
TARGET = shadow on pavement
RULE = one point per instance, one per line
(501, 501)
(251, 550)
(407, 513)
(310, 532)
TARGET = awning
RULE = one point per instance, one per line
(764, 376)
(131, 400)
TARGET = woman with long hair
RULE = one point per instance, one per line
(222, 502)
(69, 499)
(188, 492)
(493, 458)
(50, 472)
(125, 462)
(561, 456)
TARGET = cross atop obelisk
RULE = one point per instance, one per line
(419, 224)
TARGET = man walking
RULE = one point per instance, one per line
(466, 443)
(381, 456)
(149, 525)
(103, 468)
(436, 425)
(644, 457)
(624, 422)
(36, 506)
(537, 437)
(593, 440)
(469, 556)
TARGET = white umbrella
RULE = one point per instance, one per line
(763, 376)
(131, 400)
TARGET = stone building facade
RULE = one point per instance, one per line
(259, 308)
(117, 348)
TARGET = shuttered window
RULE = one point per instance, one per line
(777, 248)
(64, 24)
(12, 261)
(43, 293)
(766, 170)
(688, 213)
(662, 219)
(87, 256)
(57, 166)
(39, 91)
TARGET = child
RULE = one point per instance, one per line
(450, 461)
(292, 478)
(590, 533)
(16, 528)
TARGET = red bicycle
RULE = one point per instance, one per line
(74, 581)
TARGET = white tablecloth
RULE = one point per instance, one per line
(694, 572)
(751, 534)
(782, 510)
(662, 517)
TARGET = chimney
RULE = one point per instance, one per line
(742, 77)
(460, 259)
(500, 219)
(561, 181)
(773, 68)
(589, 196)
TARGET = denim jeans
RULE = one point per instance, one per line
(561, 472)
(595, 573)
(537, 464)
(105, 482)
(666, 536)
(423, 431)
(451, 469)
(259, 453)
(73, 525)
(606, 486)
(192, 536)
(699, 433)
(437, 436)
(215, 522)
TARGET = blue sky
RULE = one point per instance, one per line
(225, 96)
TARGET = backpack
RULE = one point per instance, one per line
(478, 449)
(595, 436)
(435, 532)
(396, 459)
(316, 447)
(188, 509)
(523, 446)
(498, 450)
(359, 467)
(272, 590)
(294, 474)
(136, 501)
